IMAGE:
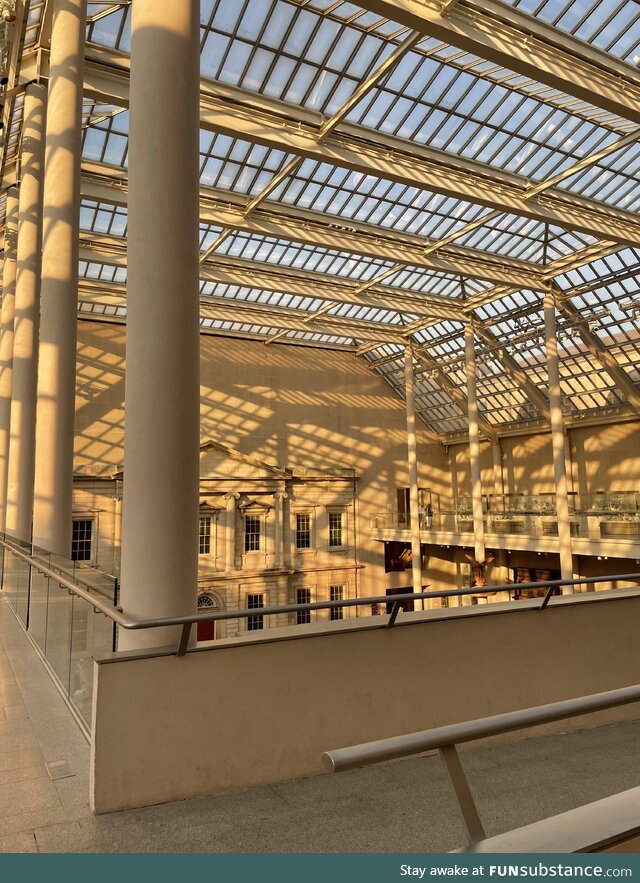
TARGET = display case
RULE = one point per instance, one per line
(611, 503)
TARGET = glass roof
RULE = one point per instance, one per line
(457, 189)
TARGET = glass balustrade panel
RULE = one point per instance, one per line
(58, 644)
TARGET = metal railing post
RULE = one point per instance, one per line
(184, 639)
(395, 610)
(464, 797)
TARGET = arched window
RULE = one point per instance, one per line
(206, 631)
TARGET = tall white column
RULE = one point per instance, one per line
(27, 320)
(59, 294)
(279, 497)
(558, 441)
(7, 313)
(162, 384)
(568, 462)
(230, 531)
(498, 484)
(412, 460)
(474, 444)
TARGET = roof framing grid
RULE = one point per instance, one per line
(598, 350)
(228, 310)
(104, 183)
(522, 43)
(111, 250)
(283, 126)
(455, 393)
(519, 375)
(576, 259)
(287, 320)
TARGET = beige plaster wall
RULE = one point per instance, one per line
(285, 405)
(293, 699)
(604, 458)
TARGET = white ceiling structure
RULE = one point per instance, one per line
(378, 174)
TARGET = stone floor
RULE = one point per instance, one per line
(404, 806)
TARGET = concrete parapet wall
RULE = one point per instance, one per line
(248, 713)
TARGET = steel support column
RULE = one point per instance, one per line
(412, 460)
(162, 395)
(498, 483)
(474, 443)
(27, 321)
(7, 316)
(558, 439)
(59, 294)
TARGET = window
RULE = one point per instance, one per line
(81, 538)
(335, 529)
(336, 593)
(303, 531)
(256, 621)
(251, 533)
(204, 534)
(303, 596)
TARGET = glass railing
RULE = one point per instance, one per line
(608, 526)
(66, 630)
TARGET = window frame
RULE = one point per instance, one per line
(255, 622)
(307, 531)
(303, 617)
(336, 613)
(341, 514)
(257, 520)
(93, 537)
(205, 517)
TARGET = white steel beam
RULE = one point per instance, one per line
(111, 250)
(104, 183)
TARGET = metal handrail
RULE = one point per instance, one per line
(445, 739)
(186, 621)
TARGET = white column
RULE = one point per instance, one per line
(230, 532)
(292, 551)
(474, 444)
(568, 463)
(558, 441)
(412, 460)
(162, 391)
(6, 341)
(27, 321)
(59, 295)
(498, 484)
(279, 497)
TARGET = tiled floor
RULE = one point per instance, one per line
(36, 729)
(395, 807)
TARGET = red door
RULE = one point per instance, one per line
(206, 631)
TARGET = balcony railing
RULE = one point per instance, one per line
(68, 611)
(590, 526)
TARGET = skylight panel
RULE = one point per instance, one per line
(372, 200)
(102, 217)
(301, 256)
(101, 272)
(614, 180)
(612, 25)
(112, 30)
(293, 54)
(429, 102)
